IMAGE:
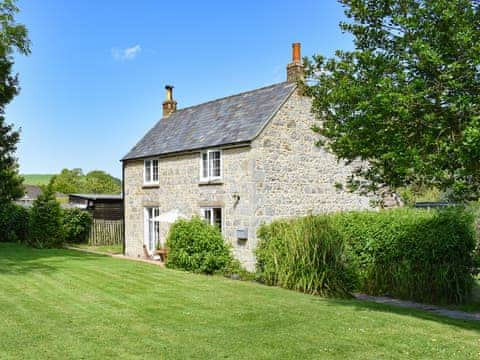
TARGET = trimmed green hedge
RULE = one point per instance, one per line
(421, 255)
(193, 245)
(305, 254)
(13, 223)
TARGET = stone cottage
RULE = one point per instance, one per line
(237, 162)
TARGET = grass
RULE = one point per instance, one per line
(106, 249)
(37, 179)
(59, 304)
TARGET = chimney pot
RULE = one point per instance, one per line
(169, 105)
(296, 52)
(295, 68)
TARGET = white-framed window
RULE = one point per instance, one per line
(152, 228)
(213, 216)
(211, 165)
(150, 171)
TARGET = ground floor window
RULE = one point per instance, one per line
(213, 216)
(152, 228)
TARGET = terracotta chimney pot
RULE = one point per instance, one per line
(295, 68)
(169, 105)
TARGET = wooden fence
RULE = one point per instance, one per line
(106, 232)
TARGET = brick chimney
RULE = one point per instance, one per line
(295, 68)
(169, 105)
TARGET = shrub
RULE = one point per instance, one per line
(422, 255)
(194, 245)
(305, 254)
(46, 225)
(13, 223)
(76, 224)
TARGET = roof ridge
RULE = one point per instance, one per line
(228, 97)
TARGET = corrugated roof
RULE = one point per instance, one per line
(231, 120)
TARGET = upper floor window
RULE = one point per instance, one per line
(150, 171)
(211, 165)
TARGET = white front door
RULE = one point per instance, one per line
(152, 228)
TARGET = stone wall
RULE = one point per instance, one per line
(180, 189)
(283, 174)
(294, 177)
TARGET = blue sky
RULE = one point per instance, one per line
(94, 83)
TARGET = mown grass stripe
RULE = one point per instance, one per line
(112, 308)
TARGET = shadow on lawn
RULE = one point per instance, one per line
(369, 306)
(17, 259)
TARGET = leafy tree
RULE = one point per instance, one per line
(99, 182)
(68, 181)
(13, 37)
(96, 182)
(407, 98)
(46, 221)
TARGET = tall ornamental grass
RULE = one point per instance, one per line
(305, 254)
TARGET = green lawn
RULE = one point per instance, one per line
(64, 304)
(36, 179)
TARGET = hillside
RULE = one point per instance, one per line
(37, 179)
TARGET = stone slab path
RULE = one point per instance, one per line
(454, 314)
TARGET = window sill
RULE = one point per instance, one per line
(210, 182)
(150, 186)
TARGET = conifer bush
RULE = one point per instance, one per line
(46, 222)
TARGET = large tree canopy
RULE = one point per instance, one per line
(95, 182)
(407, 98)
(13, 37)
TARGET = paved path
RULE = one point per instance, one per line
(454, 314)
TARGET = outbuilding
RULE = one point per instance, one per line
(101, 206)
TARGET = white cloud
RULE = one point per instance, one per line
(126, 54)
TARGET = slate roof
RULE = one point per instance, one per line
(31, 192)
(231, 120)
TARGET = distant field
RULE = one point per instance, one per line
(37, 179)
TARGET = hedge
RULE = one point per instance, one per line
(421, 255)
(13, 223)
(77, 224)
